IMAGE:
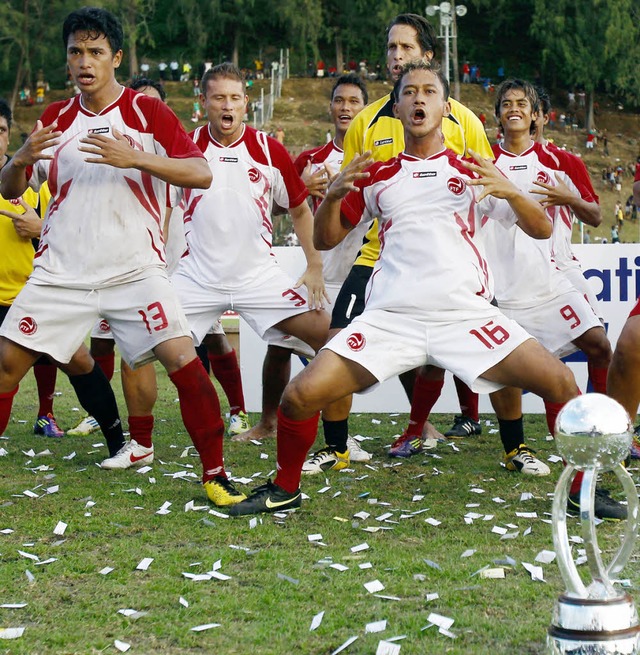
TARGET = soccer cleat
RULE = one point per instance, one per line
(84, 428)
(463, 426)
(604, 507)
(326, 459)
(238, 424)
(522, 459)
(268, 497)
(47, 426)
(221, 491)
(635, 448)
(131, 454)
(406, 445)
(356, 452)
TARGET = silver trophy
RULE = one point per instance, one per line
(593, 434)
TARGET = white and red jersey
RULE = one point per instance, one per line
(337, 262)
(432, 263)
(228, 226)
(110, 218)
(522, 266)
(574, 174)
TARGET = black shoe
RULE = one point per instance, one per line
(463, 426)
(268, 497)
(605, 507)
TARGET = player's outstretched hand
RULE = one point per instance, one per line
(349, 175)
(32, 150)
(27, 225)
(553, 195)
(116, 151)
(492, 180)
(314, 281)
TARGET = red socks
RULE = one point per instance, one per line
(598, 377)
(45, 375)
(6, 402)
(201, 416)
(425, 395)
(107, 363)
(468, 399)
(225, 368)
(141, 429)
(295, 439)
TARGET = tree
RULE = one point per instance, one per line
(590, 43)
(135, 16)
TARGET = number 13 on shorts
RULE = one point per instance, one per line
(154, 317)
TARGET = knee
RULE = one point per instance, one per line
(297, 402)
(565, 387)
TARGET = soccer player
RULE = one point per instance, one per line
(375, 129)
(108, 155)
(530, 288)
(317, 167)
(20, 223)
(420, 310)
(229, 263)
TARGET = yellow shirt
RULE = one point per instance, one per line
(376, 129)
(16, 253)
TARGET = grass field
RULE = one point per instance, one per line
(281, 574)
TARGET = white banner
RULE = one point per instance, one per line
(612, 269)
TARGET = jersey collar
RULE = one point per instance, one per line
(106, 110)
(231, 145)
(508, 153)
(437, 155)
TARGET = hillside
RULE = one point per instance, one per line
(303, 113)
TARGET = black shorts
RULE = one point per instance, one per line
(350, 301)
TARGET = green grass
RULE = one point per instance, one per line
(72, 608)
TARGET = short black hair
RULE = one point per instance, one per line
(355, 80)
(144, 82)
(432, 66)
(517, 85)
(426, 34)
(5, 112)
(226, 70)
(545, 100)
(96, 22)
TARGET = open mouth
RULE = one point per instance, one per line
(396, 69)
(85, 79)
(514, 118)
(226, 121)
(419, 115)
(344, 118)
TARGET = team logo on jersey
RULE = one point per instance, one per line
(522, 167)
(229, 160)
(15, 201)
(456, 185)
(99, 130)
(104, 326)
(27, 325)
(425, 173)
(254, 174)
(356, 341)
(543, 177)
(383, 142)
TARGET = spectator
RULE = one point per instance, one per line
(280, 135)
(586, 237)
(553, 117)
(591, 138)
(186, 72)
(501, 74)
(175, 70)
(466, 73)
(320, 68)
(483, 119)
(615, 238)
(162, 70)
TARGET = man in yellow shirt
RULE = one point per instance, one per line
(375, 129)
(20, 223)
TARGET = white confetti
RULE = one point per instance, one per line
(468, 553)
(344, 646)
(537, 575)
(11, 633)
(60, 528)
(106, 570)
(314, 537)
(144, 564)
(545, 556)
(440, 620)
(13, 606)
(374, 586)
(316, 621)
(359, 547)
(387, 648)
(122, 646)
(183, 602)
(376, 626)
(205, 626)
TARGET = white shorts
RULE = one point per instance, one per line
(580, 282)
(557, 322)
(265, 304)
(298, 346)
(388, 343)
(55, 320)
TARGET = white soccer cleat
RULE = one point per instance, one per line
(522, 459)
(356, 452)
(131, 454)
(84, 428)
(238, 424)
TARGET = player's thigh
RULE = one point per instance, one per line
(326, 379)
(530, 366)
(312, 327)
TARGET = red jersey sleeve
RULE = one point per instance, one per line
(168, 131)
(296, 189)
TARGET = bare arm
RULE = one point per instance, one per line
(530, 214)
(302, 219)
(191, 172)
(330, 227)
(13, 180)
(560, 194)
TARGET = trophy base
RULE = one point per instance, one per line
(594, 627)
